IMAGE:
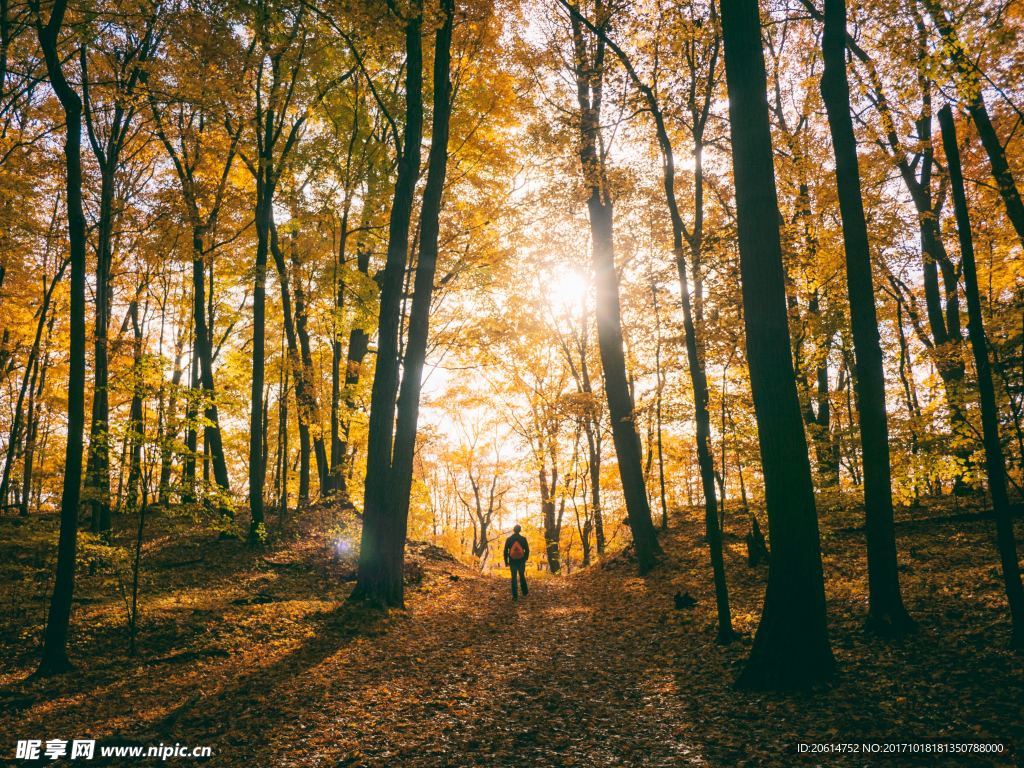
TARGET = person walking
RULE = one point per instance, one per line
(517, 552)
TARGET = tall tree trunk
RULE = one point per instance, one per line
(97, 479)
(264, 223)
(54, 655)
(32, 431)
(312, 404)
(282, 439)
(698, 377)
(791, 647)
(188, 466)
(169, 428)
(358, 346)
(135, 425)
(657, 408)
(886, 613)
(423, 287)
(335, 478)
(589, 73)
(594, 468)
(380, 573)
(620, 403)
(203, 369)
(305, 399)
(994, 460)
(548, 507)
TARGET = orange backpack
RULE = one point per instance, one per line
(516, 551)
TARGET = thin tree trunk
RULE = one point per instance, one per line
(592, 428)
(994, 460)
(282, 404)
(909, 394)
(203, 368)
(257, 470)
(886, 613)
(589, 73)
(312, 407)
(698, 377)
(135, 425)
(594, 468)
(31, 430)
(169, 429)
(358, 346)
(26, 384)
(34, 420)
(657, 408)
(305, 401)
(97, 477)
(188, 467)
(548, 505)
(335, 480)
(54, 655)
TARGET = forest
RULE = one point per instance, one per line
(307, 305)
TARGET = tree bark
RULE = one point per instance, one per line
(657, 408)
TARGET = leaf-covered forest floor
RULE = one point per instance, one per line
(256, 654)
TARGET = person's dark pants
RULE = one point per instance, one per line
(518, 568)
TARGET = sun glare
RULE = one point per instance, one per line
(567, 291)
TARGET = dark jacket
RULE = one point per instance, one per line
(522, 541)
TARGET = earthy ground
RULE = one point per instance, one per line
(257, 656)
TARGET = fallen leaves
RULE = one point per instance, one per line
(260, 658)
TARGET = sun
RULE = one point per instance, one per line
(566, 292)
